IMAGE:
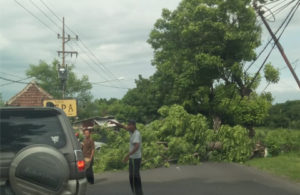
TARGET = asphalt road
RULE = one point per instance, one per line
(205, 179)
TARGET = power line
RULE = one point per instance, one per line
(262, 51)
(280, 9)
(286, 22)
(93, 61)
(96, 58)
(95, 70)
(110, 86)
(96, 61)
(35, 16)
(90, 53)
(14, 81)
(50, 9)
(271, 2)
(45, 14)
(13, 75)
(281, 2)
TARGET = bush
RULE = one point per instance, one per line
(178, 137)
(236, 144)
(96, 137)
(278, 141)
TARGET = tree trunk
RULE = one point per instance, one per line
(251, 131)
(217, 123)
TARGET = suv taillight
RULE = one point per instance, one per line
(80, 165)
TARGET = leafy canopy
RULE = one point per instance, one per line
(46, 76)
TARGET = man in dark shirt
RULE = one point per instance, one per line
(88, 149)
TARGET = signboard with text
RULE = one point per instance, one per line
(69, 106)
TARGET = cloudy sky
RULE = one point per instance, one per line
(113, 50)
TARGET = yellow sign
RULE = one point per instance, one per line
(69, 106)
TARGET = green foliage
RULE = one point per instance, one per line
(46, 76)
(96, 137)
(287, 165)
(2, 103)
(236, 145)
(248, 111)
(199, 52)
(282, 140)
(112, 154)
(200, 46)
(285, 115)
(116, 108)
(177, 137)
(271, 74)
(144, 100)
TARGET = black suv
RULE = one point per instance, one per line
(39, 153)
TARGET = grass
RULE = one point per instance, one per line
(287, 165)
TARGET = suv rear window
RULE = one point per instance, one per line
(21, 128)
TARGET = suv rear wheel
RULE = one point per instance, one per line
(38, 169)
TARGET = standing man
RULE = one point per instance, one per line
(88, 149)
(134, 156)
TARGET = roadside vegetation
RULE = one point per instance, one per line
(178, 137)
(283, 156)
(285, 164)
(201, 104)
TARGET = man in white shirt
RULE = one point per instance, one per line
(134, 156)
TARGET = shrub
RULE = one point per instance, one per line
(236, 144)
(178, 137)
(281, 140)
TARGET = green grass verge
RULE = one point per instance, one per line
(287, 165)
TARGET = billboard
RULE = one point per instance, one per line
(69, 106)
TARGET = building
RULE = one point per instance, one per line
(31, 95)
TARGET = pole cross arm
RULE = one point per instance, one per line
(68, 52)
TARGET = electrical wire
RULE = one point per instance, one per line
(92, 67)
(280, 9)
(35, 16)
(50, 19)
(262, 51)
(96, 61)
(14, 81)
(89, 50)
(286, 22)
(13, 75)
(93, 61)
(50, 9)
(271, 2)
(110, 86)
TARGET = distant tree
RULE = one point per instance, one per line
(147, 98)
(2, 103)
(284, 115)
(115, 107)
(46, 76)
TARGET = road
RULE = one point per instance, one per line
(204, 179)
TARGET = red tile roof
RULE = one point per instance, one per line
(31, 95)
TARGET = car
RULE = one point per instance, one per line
(39, 153)
(98, 145)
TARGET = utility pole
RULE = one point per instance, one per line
(260, 13)
(63, 68)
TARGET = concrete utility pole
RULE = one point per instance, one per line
(63, 68)
(260, 13)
